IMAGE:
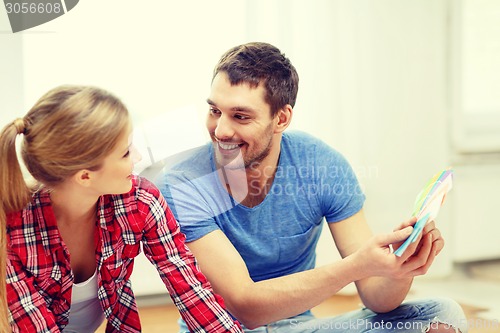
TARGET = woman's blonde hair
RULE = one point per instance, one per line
(70, 128)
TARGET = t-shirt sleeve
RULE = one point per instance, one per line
(341, 194)
(194, 201)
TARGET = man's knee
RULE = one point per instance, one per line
(451, 317)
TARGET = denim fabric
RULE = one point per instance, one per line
(411, 317)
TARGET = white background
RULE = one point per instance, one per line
(377, 83)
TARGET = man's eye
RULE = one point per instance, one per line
(214, 111)
(241, 117)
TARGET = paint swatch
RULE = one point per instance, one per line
(427, 204)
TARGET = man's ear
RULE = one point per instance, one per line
(283, 118)
(82, 177)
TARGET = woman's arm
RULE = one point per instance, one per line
(190, 291)
(28, 309)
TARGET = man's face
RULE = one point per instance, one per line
(239, 123)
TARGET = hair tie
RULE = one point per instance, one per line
(20, 127)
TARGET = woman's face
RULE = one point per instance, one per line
(115, 175)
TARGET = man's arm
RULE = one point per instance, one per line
(258, 303)
(388, 278)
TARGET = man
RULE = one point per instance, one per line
(251, 204)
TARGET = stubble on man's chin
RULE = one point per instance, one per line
(236, 163)
(239, 162)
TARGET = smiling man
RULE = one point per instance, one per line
(252, 204)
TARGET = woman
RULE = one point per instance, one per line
(71, 240)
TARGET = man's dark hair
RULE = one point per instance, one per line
(257, 62)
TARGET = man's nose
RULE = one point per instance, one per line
(224, 127)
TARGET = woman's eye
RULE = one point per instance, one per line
(127, 154)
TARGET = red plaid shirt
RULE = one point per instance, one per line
(39, 276)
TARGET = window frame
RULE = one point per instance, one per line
(473, 133)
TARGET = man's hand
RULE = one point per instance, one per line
(377, 258)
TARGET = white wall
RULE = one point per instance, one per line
(11, 73)
(374, 84)
(475, 216)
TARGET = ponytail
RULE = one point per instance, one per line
(15, 196)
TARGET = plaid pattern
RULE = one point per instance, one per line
(39, 276)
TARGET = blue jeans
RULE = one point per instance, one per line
(412, 316)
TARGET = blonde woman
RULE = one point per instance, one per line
(72, 240)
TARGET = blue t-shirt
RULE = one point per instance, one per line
(279, 236)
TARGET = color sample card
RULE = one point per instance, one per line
(427, 204)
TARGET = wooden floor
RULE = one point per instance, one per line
(163, 319)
